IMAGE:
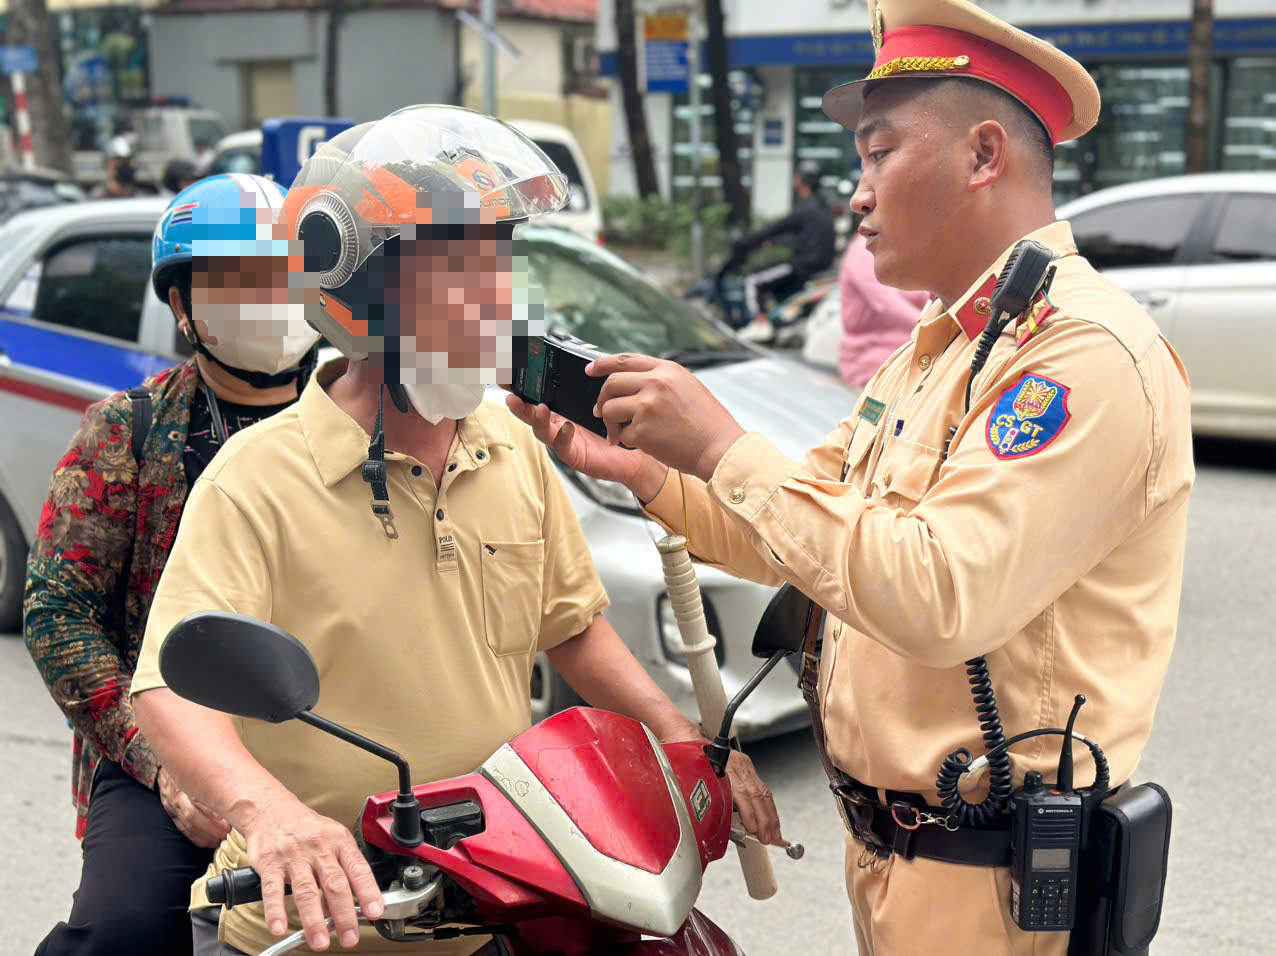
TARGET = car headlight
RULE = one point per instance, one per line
(671, 635)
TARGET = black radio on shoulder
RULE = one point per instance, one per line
(1045, 852)
(550, 370)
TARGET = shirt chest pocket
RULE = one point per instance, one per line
(512, 594)
(905, 473)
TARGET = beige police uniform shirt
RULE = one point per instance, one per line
(424, 641)
(1050, 539)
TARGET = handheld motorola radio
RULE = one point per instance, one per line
(1046, 830)
(550, 370)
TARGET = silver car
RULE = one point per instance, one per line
(59, 360)
(1199, 253)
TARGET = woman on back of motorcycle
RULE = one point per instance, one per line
(104, 537)
(422, 548)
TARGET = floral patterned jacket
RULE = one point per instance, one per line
(104, 537)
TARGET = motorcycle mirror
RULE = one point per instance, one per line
(239, 665)
(783, 624)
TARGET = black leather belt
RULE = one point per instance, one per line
(909, 827)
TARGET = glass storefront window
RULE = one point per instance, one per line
(1249, 124)
(744, 105)
(1143, 126)
(820, 139)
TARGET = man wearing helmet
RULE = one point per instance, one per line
(107, 527)
(809, 228)
(422, 548)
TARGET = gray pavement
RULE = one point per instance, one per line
(1211, 733)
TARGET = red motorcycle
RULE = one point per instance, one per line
(582, 835)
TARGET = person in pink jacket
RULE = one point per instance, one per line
(876, 319)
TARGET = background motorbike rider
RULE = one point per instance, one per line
(104, 537)
(808, 228)
(424, 591)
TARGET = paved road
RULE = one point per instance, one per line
(1212, 727)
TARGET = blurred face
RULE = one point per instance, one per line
(455, 297)
(221, 285)
(913, 189)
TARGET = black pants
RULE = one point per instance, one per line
(136, 880)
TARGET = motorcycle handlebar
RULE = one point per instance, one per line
(229, 888)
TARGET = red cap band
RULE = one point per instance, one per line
(1019, 77)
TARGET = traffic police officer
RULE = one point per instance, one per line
(1042, 527)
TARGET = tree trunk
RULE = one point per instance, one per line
(29, 25)
(332, 52)
(635, 118)
(733, 191)
(1199, 57)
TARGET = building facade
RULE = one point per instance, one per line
(1135, 49)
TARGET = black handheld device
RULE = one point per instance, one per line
(550, 370)
(1027, 271)
(1045, 851)
(1047, 826)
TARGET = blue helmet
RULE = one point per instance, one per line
(228, 215)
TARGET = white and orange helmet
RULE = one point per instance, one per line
(421, 166)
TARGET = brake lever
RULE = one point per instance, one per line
(741, 837)
(400, 904)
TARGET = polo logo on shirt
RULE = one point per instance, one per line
(1028, 416)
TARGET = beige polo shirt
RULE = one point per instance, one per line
(1050, 539)
(424, 641)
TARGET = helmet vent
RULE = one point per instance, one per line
(329, 239)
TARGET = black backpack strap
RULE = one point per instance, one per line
(140, 399)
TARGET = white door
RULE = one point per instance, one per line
(1223, 324)
(1139, 245)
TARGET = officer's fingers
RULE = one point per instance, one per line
(621, 362)
(618, 414)
(620, 384)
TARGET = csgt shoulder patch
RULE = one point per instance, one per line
(1027, 417)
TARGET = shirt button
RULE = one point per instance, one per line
(737, 496)
(924, 362)
(439, 514)
(416, 471)
(452, 467)
(837, 630)
(481, 455)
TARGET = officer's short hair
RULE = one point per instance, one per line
(1020, 122)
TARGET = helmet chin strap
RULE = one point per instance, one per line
(261, 380)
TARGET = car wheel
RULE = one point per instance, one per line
(550, 693)
(13, 560)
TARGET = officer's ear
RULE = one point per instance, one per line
(989, 145)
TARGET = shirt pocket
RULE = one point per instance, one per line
(512, 594)
(906, 472)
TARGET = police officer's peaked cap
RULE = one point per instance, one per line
(955, 38)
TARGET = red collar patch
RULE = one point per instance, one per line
(974, 315)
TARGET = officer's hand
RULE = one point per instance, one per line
(288, 843)
(200, 825)
(753, 799)
(582, 450)
(664, 410)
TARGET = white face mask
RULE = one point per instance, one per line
(437, 402)
(258, 336)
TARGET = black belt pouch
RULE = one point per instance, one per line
(1123, 874)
